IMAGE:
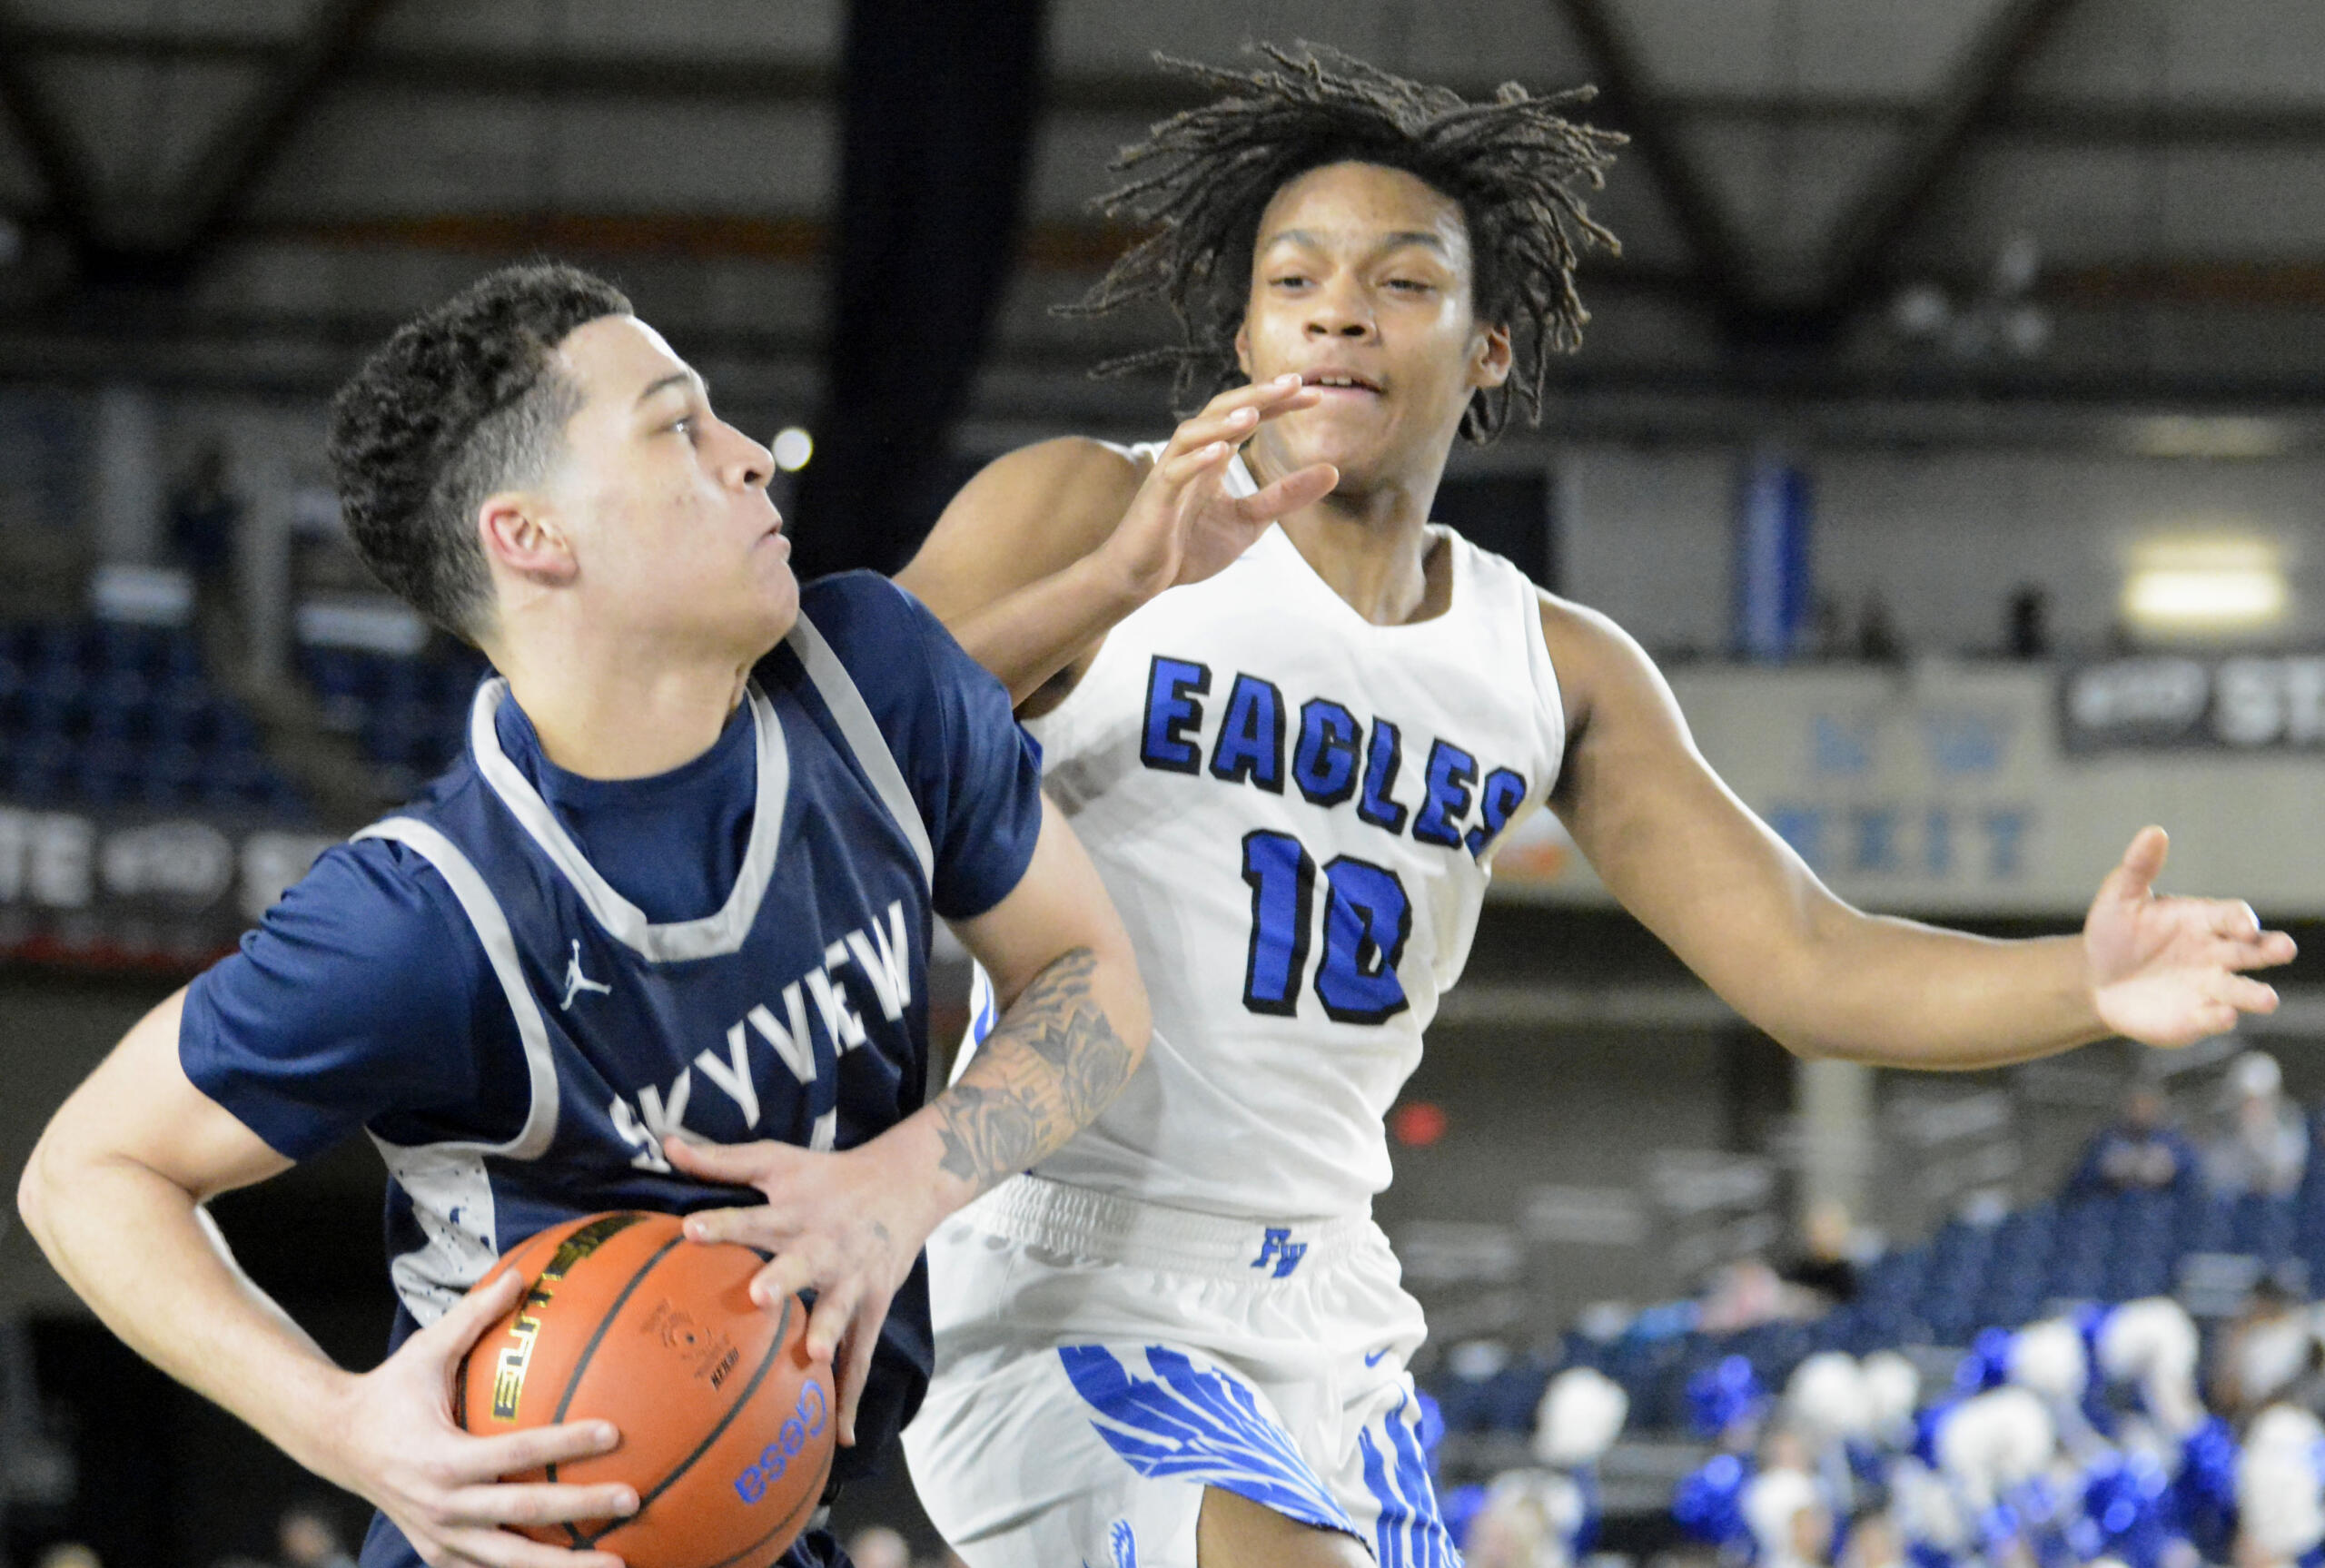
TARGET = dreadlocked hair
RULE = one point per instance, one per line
(1204, 177)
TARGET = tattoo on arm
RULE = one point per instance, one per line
(1051, 1066)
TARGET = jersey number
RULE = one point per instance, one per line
(1367, 918)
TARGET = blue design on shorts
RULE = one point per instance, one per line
(1199, 1425)
(1122, 1545)
(1276, 1246)
(1409, 1534)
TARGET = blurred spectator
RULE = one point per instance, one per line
(306, 1537)
(2263, 1147)
(2268, 1352)
(877, 1546)
(2026, 628)
(203, 510)
(1874, 1542)
(1824, 1266)
(2143, 1152)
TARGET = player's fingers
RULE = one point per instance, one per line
(2245, 995)
(1290, 493)
(828, 1324)
(1185, 468)
(493, 1548)
(541, 1503)
(1236, 413)
(2266, 951)
(2233, 919)
(2142, 863)
(514, 1452)
(760, 1225)
(1251, 395)
(460, 1327)
(737, 1164)
(862, 1340)
(787, 1275)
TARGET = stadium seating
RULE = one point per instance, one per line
(408, 714)
(101, 713)
(1967, 1277)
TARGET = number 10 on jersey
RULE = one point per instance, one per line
(1366, 917)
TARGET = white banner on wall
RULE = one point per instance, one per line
(1946, 789)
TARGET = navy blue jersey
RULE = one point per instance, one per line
(517, 985)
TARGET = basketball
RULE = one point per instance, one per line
(726, 1427)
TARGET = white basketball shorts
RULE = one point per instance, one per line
(1100, 1361)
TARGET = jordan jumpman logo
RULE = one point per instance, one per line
(576, 982)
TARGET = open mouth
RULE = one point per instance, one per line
(1340, 381)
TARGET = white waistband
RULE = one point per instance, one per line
(1108, 1228)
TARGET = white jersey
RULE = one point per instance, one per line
(1295, 810)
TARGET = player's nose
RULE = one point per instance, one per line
(1335, 310)
(749, 465)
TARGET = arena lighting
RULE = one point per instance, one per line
(793, 446)
(2205, 585)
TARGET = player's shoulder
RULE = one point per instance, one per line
(877, 627)
(1600, 665)
(894, 650)
(1070, 468)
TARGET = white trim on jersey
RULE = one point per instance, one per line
(712, 935)
(450, 1192)
(862, 732)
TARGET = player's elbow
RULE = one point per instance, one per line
(33, 1205)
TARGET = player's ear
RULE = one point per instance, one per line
(1489, 356)
(520, 536)
(1243, 350)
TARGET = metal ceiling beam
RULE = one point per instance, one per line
(2062, 118)
(1627, 101)
(1869, 234)
(66, 173)
(248, 144)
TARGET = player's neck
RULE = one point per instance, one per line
(1372, 547)
(605, 713)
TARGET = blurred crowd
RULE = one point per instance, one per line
(2099, 1434)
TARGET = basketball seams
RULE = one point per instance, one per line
(581, 1363)
(774, 1352)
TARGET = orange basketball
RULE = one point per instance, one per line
(726, 1427)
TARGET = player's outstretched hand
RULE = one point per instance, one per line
(845, 1226)
(1182, 526)
(399, 1447)
(2169, 971)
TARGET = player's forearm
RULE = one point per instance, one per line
(1059, 1056)
(1896, 993)
(1026, 636)
(150, 1263)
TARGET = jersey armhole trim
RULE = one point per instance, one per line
(500, 943)
(862, 733)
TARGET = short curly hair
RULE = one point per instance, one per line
(1512, 165)
(464, 399)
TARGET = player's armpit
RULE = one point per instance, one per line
(1073, 1024)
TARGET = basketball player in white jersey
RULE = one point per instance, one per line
(1181, 1339)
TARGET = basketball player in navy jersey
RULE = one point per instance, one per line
(662, 929)
(1292, 768)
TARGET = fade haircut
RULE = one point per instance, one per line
(1513, 166)
(463, 400)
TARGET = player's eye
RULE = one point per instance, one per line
(688, 424)
(1410, 285)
